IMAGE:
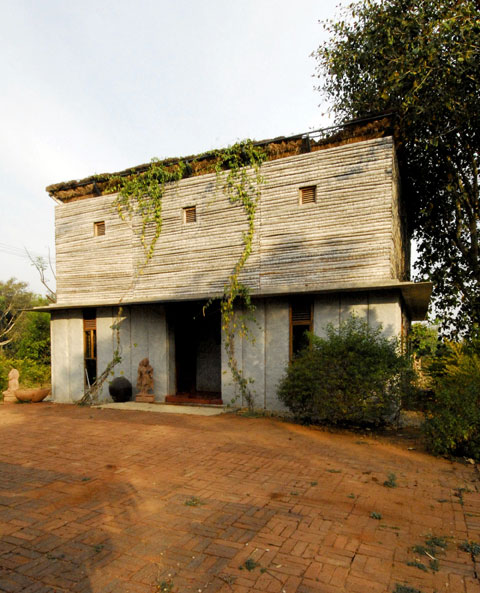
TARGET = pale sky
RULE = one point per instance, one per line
(93, 87)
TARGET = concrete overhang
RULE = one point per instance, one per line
(416, 296)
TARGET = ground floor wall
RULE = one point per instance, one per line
(150, 331)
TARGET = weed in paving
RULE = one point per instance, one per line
(351, 495)
(313, 483)
(458, 492)
(405, 589)
(433, 546)
(375, 515)
(334, 471)
(417, 564)
(165, 586)
(394, 527)
(391, 482)
(435, 541)
(249, 564)
(471, 547)
(193, 501)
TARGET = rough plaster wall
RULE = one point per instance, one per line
(386, 309)
(277, 333)
(230, 392)
(67, 356)
(263, 357)
(354, 304)
(158, 349)
(105, 346)
(326, 309)
(254, 354)
(375, 307)
(142, 334)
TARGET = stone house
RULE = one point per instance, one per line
(330, 240)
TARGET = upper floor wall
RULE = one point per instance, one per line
(352, 233)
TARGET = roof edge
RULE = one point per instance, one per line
(357, 130)
(415, 294)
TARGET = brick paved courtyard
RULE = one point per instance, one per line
(122, 501)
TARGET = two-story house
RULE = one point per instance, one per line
(330, 240)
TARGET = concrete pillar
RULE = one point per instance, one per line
(67, 358)
(277, 347)
(253, 354)
(385, 309)
(326, 310)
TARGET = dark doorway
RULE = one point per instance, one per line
(90, 346)
(197, 352)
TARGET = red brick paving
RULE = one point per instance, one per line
(93, 501)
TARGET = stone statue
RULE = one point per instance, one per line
(145, 382)
(13, 377)
(9, 395)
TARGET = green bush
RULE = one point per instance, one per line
(350, 377)
(452, 426)
(32, 372)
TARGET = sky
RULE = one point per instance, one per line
(98, 86)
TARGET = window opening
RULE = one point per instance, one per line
(90, 346)
(190, 214)
(308, 195)
(99, 228)
(301, 322)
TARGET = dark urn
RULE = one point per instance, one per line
(120, 389)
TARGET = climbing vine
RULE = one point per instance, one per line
(91, 394)
(239, 176)
(140, 195)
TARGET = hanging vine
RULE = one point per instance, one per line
(91, 394)
(239, 175)
(140, 196)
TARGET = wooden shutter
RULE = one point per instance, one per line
(99, 228)
(190, 214)
(308, 194)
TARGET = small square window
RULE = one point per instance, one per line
(308, 195)
(190, 214)
(99, 228)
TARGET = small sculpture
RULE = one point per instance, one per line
(9, 394)
(145, 382)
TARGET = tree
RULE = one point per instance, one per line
(24, 335)
(420, 60)
(14, 299)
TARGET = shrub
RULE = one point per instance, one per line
(452, 426)
(352, 376)
(32, 372)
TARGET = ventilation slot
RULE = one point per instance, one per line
(308, 195)
(89, 324)
(190, 214)
(301, 312)
(99, 228)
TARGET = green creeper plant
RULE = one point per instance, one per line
(239, 176)
(140, 196)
